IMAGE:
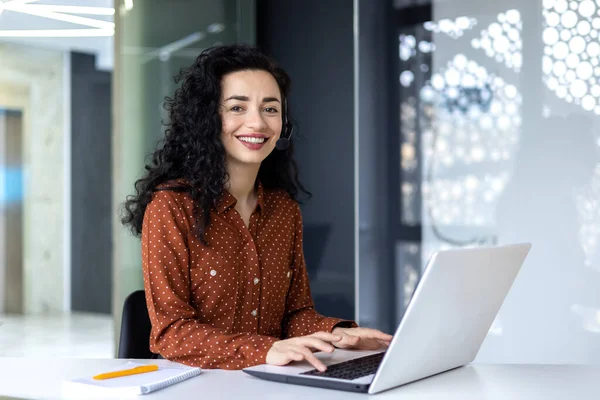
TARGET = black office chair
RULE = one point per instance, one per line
(315, 241)
(134, 341)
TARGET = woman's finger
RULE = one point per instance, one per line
(326, 336)
(348, 341)
(295, 356)
(315, 343)
(310, 357)
(371, 334)
(368, 344)
(361, 343)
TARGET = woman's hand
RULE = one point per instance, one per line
(361, 338)
(301, 348)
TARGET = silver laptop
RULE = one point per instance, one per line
(447, 319)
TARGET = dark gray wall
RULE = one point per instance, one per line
(313, 41)
(91, 246)
(377, 45)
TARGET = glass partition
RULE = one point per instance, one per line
(153, 41)
(499, 109)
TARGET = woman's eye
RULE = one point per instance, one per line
(271, 110)
(236, 108)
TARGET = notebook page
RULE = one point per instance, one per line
(133, 384)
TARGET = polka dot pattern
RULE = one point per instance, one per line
(224, 304)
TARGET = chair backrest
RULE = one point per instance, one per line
(315, 241)
(134, 341)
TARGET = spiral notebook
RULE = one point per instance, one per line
(129, 385)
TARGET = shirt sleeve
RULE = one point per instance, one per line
(177, 333)
(301, 318)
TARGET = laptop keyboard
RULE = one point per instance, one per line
(351, 369)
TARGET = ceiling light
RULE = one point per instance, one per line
(75, 9)
(215, 28)
(34, 10)
(5, 2)
(41, 33)
(164, 52)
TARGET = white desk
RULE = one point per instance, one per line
(41, 379)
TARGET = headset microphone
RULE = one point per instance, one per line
(284, 142)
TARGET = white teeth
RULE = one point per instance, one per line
(252, 139)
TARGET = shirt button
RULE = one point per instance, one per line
(288, 274)
(256, 280)
(254, 313)
(213, 272)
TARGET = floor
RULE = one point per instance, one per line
(75, 335)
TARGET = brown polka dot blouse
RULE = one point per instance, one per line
(225, 304)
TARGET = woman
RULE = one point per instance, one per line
(224, 273)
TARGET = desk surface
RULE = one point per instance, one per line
(42, 379)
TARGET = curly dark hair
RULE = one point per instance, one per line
(192, 150)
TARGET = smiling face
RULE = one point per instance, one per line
(251, 115)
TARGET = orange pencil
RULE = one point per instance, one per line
(126, 372)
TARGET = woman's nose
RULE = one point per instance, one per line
(255, 121)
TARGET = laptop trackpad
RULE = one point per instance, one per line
(336, 357)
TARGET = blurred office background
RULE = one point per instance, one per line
(422, 125)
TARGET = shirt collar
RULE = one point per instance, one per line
(227, 200)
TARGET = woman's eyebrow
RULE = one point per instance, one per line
(245, 98)
(270, 99)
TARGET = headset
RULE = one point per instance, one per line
(288, 130)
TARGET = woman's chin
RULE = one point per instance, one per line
(252, 159)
